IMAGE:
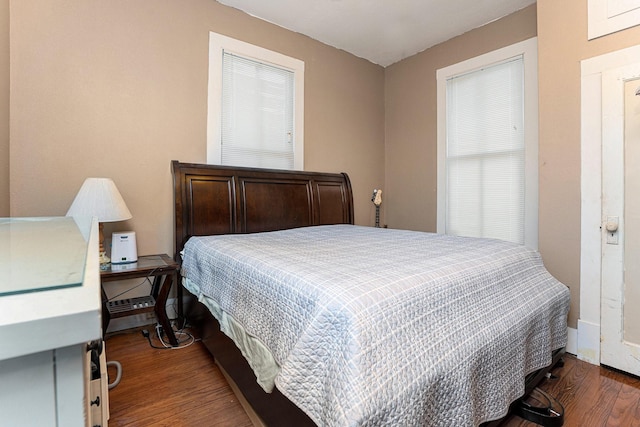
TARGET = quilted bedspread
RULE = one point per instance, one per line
(381, 327)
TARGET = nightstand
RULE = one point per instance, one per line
(164, 271)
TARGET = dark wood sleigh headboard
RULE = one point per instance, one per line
(211, 199)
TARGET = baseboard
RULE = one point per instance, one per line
(588, 348)
(572, 341)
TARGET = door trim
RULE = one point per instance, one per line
(591, 196)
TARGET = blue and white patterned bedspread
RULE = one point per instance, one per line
(374, 327)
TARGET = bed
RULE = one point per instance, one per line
(329, 323)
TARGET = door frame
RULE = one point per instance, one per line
(588, 341)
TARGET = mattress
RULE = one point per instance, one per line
(369, 327)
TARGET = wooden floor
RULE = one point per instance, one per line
(184, 387)
(177, 388)
(592, 396)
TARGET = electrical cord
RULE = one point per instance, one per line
(145, 280)
(96, 348)
(188, 339)
(118, 367)
(174, 306)
(181, 344)
(146, 334)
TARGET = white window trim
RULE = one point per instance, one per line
(529, 50)
(219, 44)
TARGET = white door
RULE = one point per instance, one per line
(620, 299)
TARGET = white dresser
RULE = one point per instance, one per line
(50, 308)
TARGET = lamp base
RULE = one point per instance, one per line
(104, 261)
(103, 258)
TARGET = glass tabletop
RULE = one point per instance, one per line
(42, 253)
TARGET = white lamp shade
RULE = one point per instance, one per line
(99, 197)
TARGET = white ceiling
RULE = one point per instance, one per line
(382, 31)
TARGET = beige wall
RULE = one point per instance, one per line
(410, 107)
(119, 89)
(4, 108)
(561, 47)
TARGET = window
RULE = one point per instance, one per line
(255, 114)
(487, 146)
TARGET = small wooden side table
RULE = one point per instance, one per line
(164, 271)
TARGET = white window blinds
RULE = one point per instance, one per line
(485, 153)
(257, 128)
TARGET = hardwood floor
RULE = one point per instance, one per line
(184, 387)
(177, 388)
(592, 396)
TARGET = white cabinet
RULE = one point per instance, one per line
(49, 309)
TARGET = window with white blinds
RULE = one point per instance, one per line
(257, 114)
(485, 153)
(488, 153)
(255, 106)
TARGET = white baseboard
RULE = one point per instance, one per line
(588, 342)
(572, 341)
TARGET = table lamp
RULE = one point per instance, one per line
(99, 197)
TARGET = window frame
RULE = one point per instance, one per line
(528, 49)
(218, 44)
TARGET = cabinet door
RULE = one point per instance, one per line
(31, 383)
(27, 395)
(70, 385)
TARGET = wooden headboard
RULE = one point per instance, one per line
(211, 199)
